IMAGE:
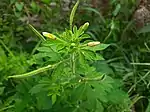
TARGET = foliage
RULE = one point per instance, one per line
(68, 82)
(71, 70)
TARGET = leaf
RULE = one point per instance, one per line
(100, 107)
(145, 29)
(78, 92)
(81, 58)
(45, 49)
(1, 90)
(37, 88)
(3, 57)
(54, 98)
(34, 7)
(46, 1)
(43, 101)
(103, 67)
(89, 55)
(116, 11)
(19, 5)
(148, 107)
(97, 47)
(84, 36)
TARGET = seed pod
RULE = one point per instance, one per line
(49, 35)
(91, 44)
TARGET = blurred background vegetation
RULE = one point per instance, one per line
(121, 23)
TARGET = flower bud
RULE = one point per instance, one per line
(91, 44)
(49, 35)
(85, 26)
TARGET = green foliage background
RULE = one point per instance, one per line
(113, 76)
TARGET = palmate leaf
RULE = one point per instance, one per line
(78, 92)
(90, 55)
(38, 88)
(44, 101)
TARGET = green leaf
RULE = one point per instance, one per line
(19, 5)
(43, 101)
(81, 58)
(1, 90)
(116, 11)
(78, 92)
(145, 29)
(84, 36)
(89, 55)
(148, 107)
(100, 107)
(3, 57)
(45, 49)
(37, 88)
(46, 1)
(97, 47)
(34, 7)
(54, 98)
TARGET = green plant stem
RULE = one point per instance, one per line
(108, 36)
(73, 63)
(35, 48)
(132, 87)
(7, 49)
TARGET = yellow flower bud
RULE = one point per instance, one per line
(91, 44)
(49, 35)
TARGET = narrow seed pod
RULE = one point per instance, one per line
(49, 35)
(91, 44)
